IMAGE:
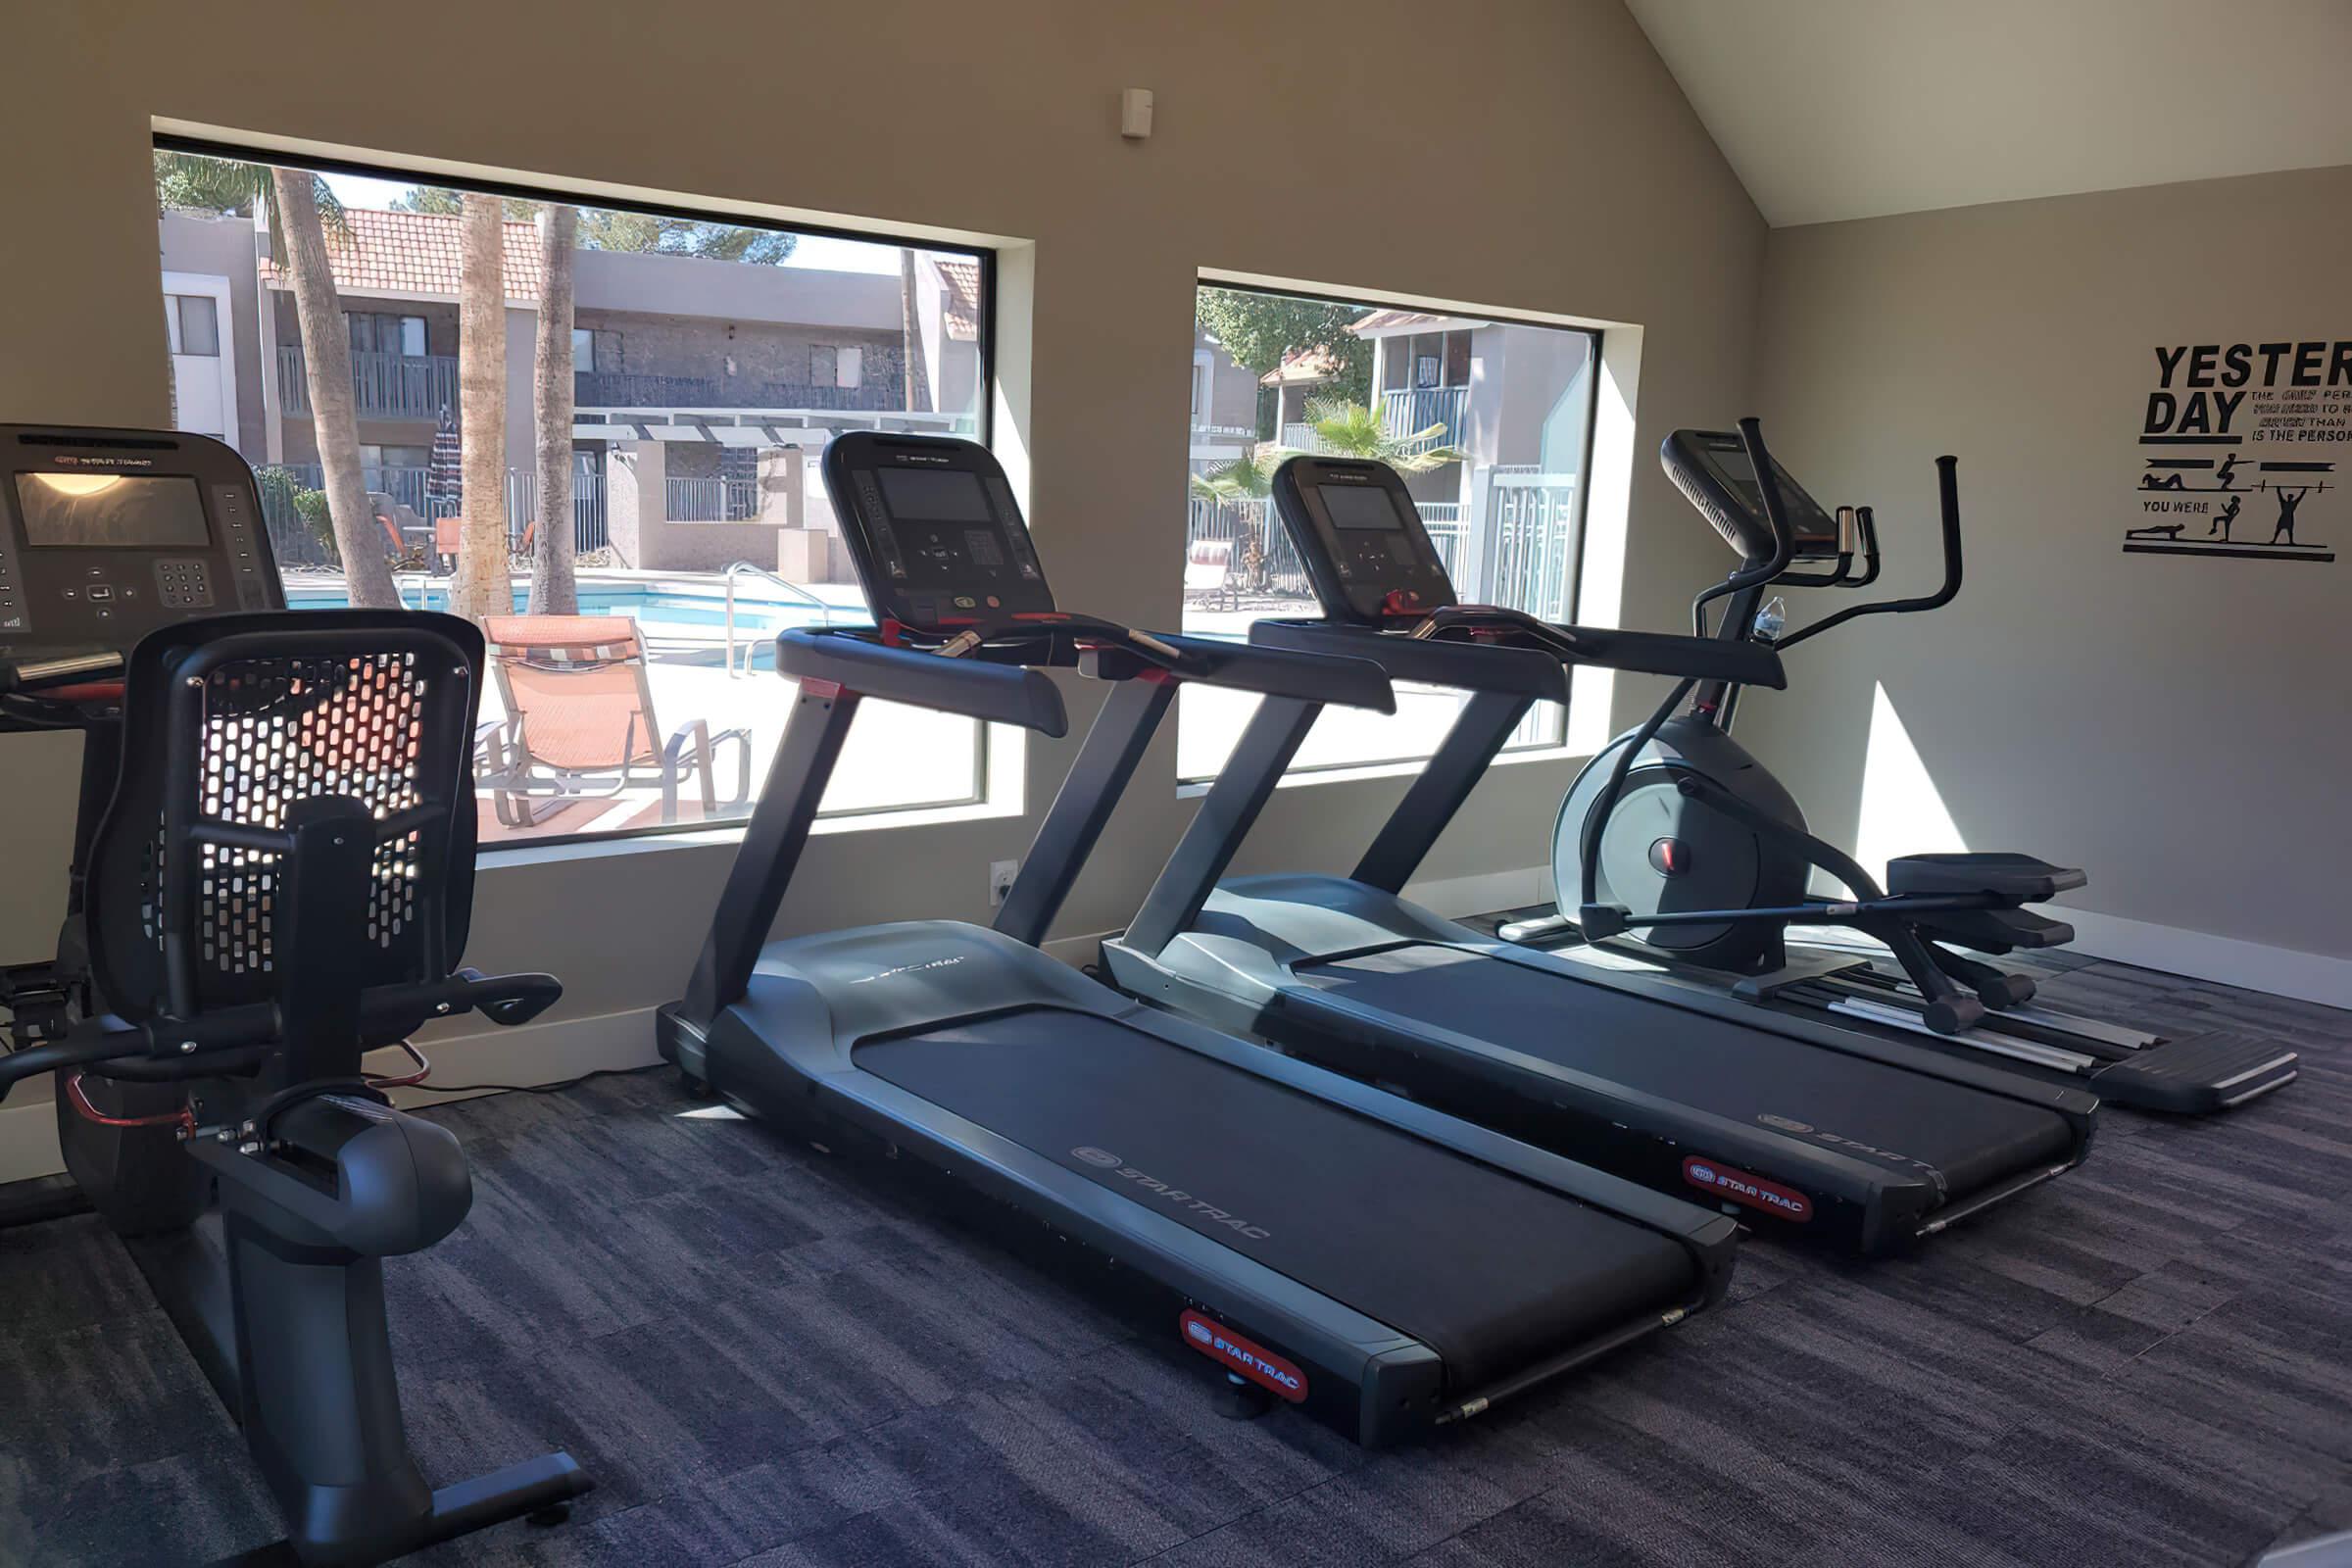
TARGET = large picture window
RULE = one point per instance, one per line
(1490, 421)
(708, 363)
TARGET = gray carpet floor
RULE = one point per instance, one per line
(767, 1356)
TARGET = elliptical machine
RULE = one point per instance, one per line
(273, 875)
(1677, 839)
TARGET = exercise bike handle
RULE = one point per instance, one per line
(228, 1041)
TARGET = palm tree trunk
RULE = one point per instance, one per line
(555, 588)
(910, 322)
(334, 420)
(485, 585)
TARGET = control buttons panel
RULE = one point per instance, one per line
(90, 595)
(1000, 495)
(15, 616)
(183, 584)
(877, 525)
(236, 537)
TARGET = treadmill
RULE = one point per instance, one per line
(1378, 1264)
(1794, 1125)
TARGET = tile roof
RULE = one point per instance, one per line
(1392, 320)
(416, 253)
(1300, 366)
(963, 302)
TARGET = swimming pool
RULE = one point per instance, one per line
(685, 608)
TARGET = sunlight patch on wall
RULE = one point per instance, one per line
(1902, 810)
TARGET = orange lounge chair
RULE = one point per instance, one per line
(1208, 575)
(580, 722)
(447, 532)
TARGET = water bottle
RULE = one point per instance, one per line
(1770, 620)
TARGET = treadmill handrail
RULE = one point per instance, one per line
(1343, 676)
(1463, 666)
(1660, 653)
(1529, 667)
(858, 661)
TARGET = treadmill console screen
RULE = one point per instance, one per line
(106, 535)
(1366, 551)
(1712, 469)
(932, 526)
(111, 512)
(1360, 506)
(935, 495)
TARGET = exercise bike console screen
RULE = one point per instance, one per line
(1367, 553)
(106, 535)
(1712, 469)
(934, 530)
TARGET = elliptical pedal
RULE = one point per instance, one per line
(2198, 1076)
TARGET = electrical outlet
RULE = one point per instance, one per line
(999, 880)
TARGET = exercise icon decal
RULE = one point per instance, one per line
(2230, 451)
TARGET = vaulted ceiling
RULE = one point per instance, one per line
(1836, 109)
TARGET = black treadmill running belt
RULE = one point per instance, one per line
(1714, 1064)
(1491, 1272)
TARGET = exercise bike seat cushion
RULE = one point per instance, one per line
(2017, 878)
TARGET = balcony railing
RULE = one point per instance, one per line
(1409, 411)
(1444, 521)
(632, 389)
(294, 545)
(1533, 533)
(697, 500)
(384, 386)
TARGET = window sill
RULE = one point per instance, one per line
(731, 834)
(1299, 779)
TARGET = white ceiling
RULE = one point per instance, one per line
(1833, 109)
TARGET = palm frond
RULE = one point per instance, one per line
(1424, 460)
(231, 185)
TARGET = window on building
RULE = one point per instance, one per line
(665, 445)
(377, 332)
(1490, 421)
(195, 322)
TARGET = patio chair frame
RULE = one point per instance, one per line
(525, 790)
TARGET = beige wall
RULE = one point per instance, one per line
(1576, 181)
(2177, 728)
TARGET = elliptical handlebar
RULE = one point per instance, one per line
(1947, 495)
(1753, 573)
(1867, 524)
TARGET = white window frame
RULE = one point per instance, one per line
(999, 750)
(849, 366)
(1591, 686)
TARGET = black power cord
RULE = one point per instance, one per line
(532, 1089)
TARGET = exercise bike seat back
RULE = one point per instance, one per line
(243, 726)
(281, 882)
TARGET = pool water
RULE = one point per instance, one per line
(653, 606)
